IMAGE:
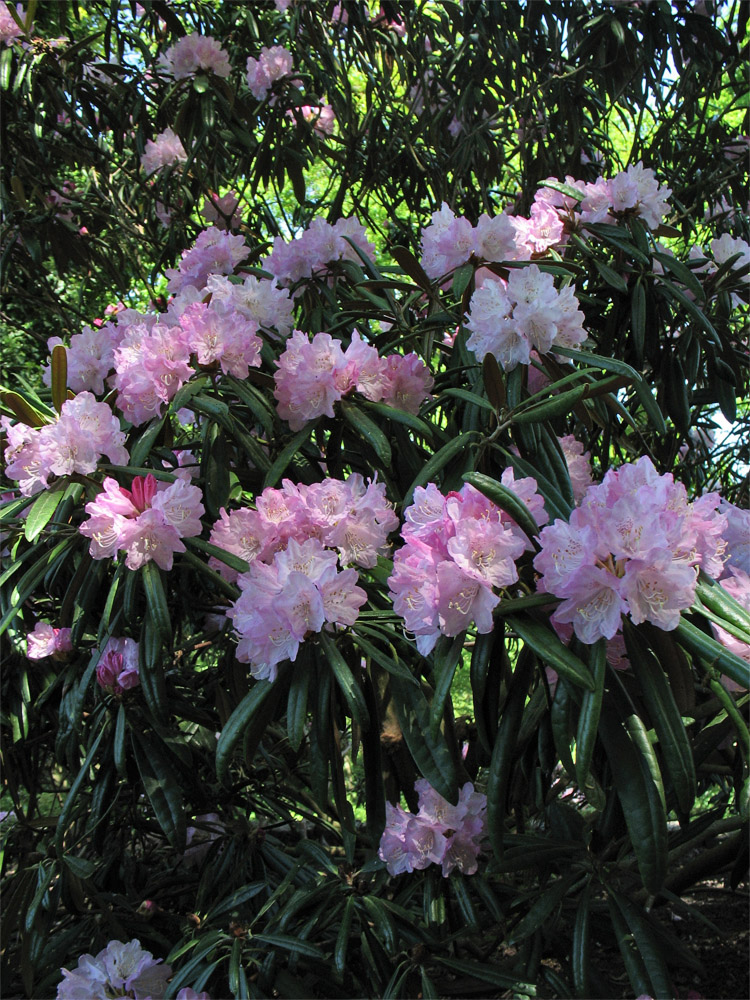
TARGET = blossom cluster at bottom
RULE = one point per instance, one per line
(441, 834)
(120, 970)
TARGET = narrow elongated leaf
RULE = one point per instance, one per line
(287, 453)
(156, 599)
(447, 657)
(486, 973)
(505, 743)
(438, 461)
(712, 653)
(41, 513)
(542, 909)
(431, 756)
(350, 689)
(648, 947)
(638, 319)
(642, 801)
(368, 430)
(234, 729)
(66, 812)
(580, 958)
(151, 668)
(634, 965)
(141, 448)
(296, 711)
(591, 706)
(548, 648)
(162, 785)
(665, 718)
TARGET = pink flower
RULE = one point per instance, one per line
(274, 64)
(214, 252)
(438, 834)
(165, 150)
(146, 522)
(321, 117)
(117, 670)
(408, 382)
(193, 53)
(9, 30)
(223, 212)
(118, 970)
(47, 641)
(578, 462)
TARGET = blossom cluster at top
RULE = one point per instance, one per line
(147, 522)
(450, 241)
(318, 246)
(510, 319)
(274, 63)
(73, 443)
(192, 54)
(440, 833)
(295, 540)
(632, 546)
(312, 376)
(457, 549)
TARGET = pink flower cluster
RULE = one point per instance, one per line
(47, 641)
(347, 516)
(457, 549)
(634, 191)
(156, 355)
(321, 117)
(9, 30)
(223, 212)
(289, 599)
(294, 541)
(450, 241)
(313, 375)
(317, 247)
(192, 54)
(84, 431)
(91, 357)
(117, 670)
(256, 299)
(631, 547)
(439, 833)
(164, 151)
(118, 970)
(146, 522)
(510, 319)
(215, 252)
(274, 64)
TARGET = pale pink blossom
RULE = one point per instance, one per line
(194, 53)
(46, 641)
(214, 252)
(222, 211)
(274, 64)
(118, 970)
(166, 150)
(9, 30)
(439, 833)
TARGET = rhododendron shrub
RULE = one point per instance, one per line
(375, 562)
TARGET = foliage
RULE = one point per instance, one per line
(255, 802)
